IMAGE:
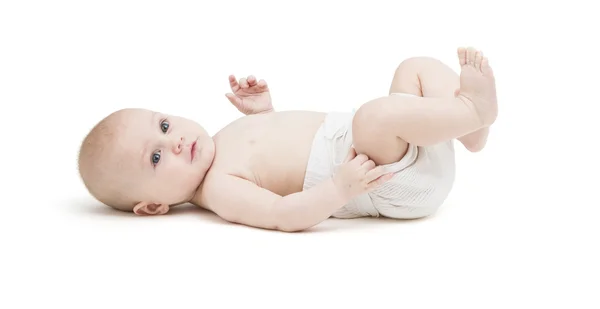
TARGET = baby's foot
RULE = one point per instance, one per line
(477, 84)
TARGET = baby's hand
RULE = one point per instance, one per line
(250, 96)
(358, 174)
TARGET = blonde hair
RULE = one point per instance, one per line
(97, 166)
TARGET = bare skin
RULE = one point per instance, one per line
(252, 171)
(383, 127)
(257, 173)
(267, 149)
(429, 77)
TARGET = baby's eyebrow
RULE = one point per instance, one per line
(145, 153)
(145, 159)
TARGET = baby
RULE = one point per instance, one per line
(289, 171)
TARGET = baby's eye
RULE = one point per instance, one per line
(155, 158)
(164, 126)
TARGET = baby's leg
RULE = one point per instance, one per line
(429, 77)
(383, 127)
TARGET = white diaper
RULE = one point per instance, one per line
(422, 181)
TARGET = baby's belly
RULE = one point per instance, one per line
(283, 175)
(281, 169)
(270, 150)
(279, 163)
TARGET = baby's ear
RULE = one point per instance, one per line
(144, 208)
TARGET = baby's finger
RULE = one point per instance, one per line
(380, 180)
(243, 83)
(360, 159)
(251, 80)
(233, 83)
(351, 155)
(368, 165)
(262, 84)
(374, 173)
(233, 99)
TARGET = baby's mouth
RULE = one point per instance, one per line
(193, 150)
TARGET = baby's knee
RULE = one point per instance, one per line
(368, 118)
(407, 75)
(372, 136)
(416, 64)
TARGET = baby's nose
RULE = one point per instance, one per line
(178, 145)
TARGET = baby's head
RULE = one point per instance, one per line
(144, 161)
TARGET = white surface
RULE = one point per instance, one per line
(520, 229)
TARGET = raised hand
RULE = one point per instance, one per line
(358, 174)
(249, 95)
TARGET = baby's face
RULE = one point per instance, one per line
(165, 157)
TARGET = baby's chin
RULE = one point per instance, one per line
(206, 155)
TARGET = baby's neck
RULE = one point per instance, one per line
(197, 197)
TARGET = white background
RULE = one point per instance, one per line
(520, 229)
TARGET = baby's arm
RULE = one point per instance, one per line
(240, 201)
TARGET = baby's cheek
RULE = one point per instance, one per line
(183, 177)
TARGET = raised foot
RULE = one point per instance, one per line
(477, 85)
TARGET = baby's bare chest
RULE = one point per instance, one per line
(269, 150)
